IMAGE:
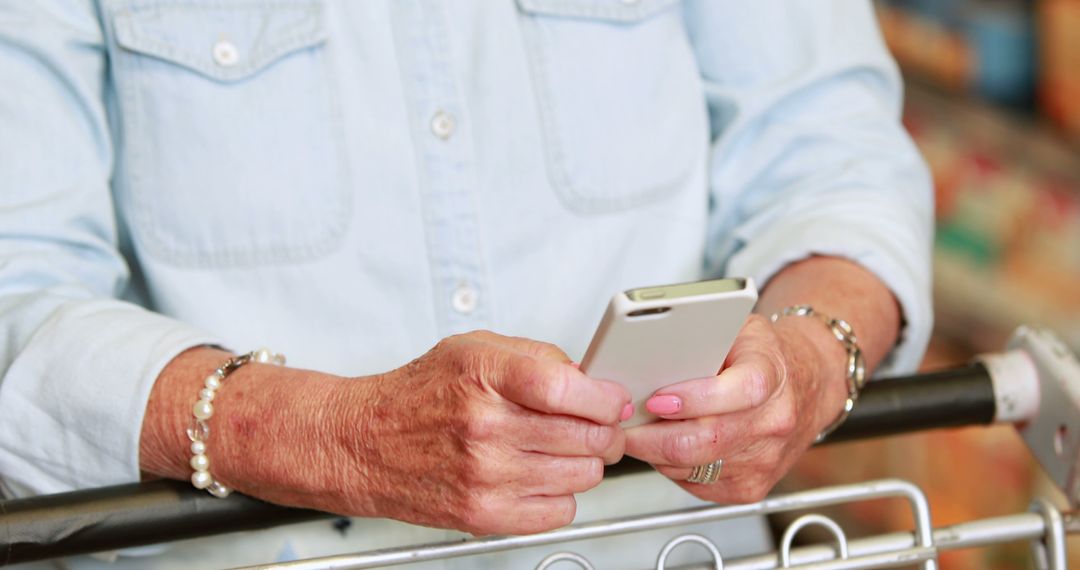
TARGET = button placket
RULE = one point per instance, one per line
(448, 178)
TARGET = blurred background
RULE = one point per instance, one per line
(993, 100)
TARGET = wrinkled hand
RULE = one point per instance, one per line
(779, 388)
(486, 434)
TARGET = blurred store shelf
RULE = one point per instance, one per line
(1007, 186)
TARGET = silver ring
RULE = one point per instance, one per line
(706, 474)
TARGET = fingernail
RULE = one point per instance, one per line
(664, 405)
(627, 411)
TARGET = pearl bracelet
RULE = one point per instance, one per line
(203, 410)
(855, 374)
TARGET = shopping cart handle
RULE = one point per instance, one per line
(950, 398)
(138, 514)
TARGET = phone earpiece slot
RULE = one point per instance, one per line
(647, 312)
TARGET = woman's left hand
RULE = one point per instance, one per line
(782, 384)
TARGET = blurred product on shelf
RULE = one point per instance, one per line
(1018, 53)
(1003, 36)
(1059, 90)
(926, 45)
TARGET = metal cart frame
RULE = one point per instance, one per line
(1045, 527)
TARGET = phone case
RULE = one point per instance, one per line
(654, 349)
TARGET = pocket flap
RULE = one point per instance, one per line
(222, 41)
(620, 11)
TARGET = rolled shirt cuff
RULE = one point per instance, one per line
(877, 235)
(73, 400)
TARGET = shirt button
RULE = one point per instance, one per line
(442, 125)
(226, 54)
(464, 298)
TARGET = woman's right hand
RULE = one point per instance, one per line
(484, 433)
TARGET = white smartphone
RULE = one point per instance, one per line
(657, 336)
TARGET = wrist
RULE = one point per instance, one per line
(347, 438)
(819, 365)
(268, 434)
(284, 435)
(164, 448)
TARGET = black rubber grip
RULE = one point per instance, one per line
(123, 516)
(950, 398)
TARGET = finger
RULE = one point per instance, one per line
(746, 384)
(549, 476)
(682, 443)
(539, 514)
(679, 473)
(557, 388)
(737, 486)
(520, 515)
(755, 456)
(568, 436)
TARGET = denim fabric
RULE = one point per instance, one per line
(348, 182)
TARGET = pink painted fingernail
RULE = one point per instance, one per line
(627, 411)
(664, 405)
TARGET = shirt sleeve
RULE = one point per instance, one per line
(77, 363)
(808, 153)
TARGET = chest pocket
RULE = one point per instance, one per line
(621, 102)
(231, 152)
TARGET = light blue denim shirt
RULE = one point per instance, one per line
(348, 182)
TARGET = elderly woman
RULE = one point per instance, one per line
(354, 183)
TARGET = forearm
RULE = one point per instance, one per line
(272, 434)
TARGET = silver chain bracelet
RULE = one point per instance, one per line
(856, 364)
